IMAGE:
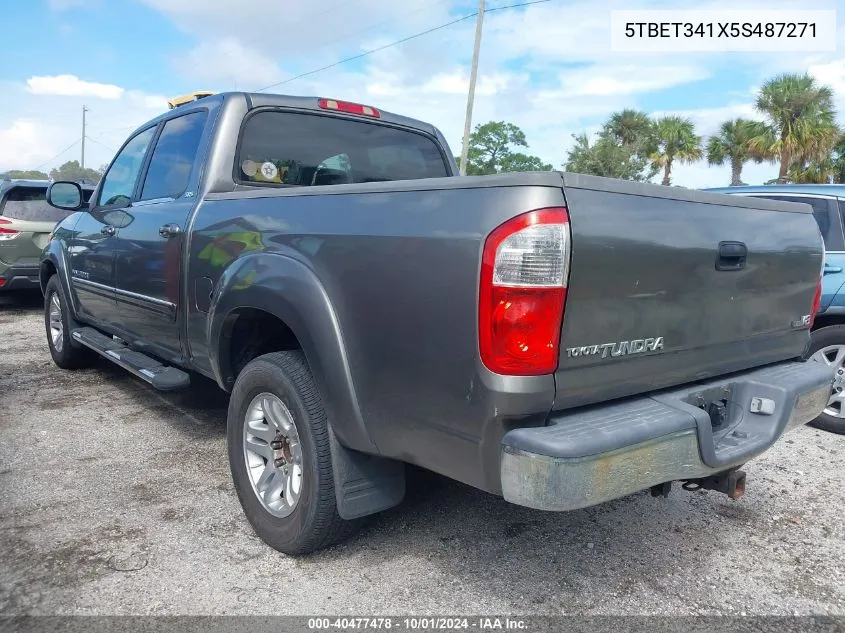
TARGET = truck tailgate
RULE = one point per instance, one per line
(660, 295)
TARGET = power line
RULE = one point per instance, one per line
(366, 53)
(396, 43)
(317, 15)
(93, 140)
(346, 36)
(119, 129)
(50, 160)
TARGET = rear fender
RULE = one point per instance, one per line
(289, 290)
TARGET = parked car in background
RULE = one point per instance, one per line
(26, 220)
(828, 333)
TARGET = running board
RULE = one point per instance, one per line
(160, 376)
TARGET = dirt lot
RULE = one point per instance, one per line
(115, 499)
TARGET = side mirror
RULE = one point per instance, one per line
(65, 195)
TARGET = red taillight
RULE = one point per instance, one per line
(2, 282)
(817, 302)
(7, 232)
(523, 292)
(349, 107)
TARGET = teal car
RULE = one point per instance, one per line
(26, 221)
(828, 332)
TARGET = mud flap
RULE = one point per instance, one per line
(364, 484)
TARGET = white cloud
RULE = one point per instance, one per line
(628, 79)
(831, 74)
(42, 130)
(71, 86)
(139, 99)
(457, 83)
(228, 61)
(23, 144)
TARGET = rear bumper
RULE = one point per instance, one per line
(591, 456)
(19, 278)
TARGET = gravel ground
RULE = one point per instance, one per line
(115, 499)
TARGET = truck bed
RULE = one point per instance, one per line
(400, 261)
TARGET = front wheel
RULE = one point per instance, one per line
(828, 345)
(280, 456)
(65, 352)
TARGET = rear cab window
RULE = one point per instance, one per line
(30, 204)
(297, 149)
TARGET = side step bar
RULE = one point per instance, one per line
(160, 376)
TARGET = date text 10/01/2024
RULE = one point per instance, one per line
(419, 623)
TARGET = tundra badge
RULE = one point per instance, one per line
(622, 348)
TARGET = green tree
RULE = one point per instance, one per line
(524, 162)
(820, 171)
(801, 122)
(31, 174)
(838, 159)
(621, 150)
(492, 150)
(830, 168)
(633, 129)
(72, 170)
(733, 144)
(676, 141)
(607, 158)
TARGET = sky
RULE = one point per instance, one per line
(548, 68)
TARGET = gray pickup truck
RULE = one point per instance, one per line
(556, 339)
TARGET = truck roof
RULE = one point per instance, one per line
(260, 99)
(816, 189)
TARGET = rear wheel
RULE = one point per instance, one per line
(280, 456)
(66, 353)
(828, 345)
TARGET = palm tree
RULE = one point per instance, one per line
(838, 158)
(815, 169)
(676, 140)
(733, 144)
(802, 122)
(629, 127)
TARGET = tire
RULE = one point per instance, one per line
(828, 337)
(312, 523)
(66, 353)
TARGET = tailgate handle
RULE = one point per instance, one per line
(731, 256)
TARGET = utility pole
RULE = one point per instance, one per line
(84, 110)
(473, 74)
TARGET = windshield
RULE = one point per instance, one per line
(302, 149)
(30, 203)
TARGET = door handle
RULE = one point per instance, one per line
(732, 256)
(829, 270)
(169, 230)
(108, 230)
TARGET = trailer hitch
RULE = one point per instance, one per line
(731, 482)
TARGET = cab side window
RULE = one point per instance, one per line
(174, 156)
(121, 178)
(828, 220)
(842, 210)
